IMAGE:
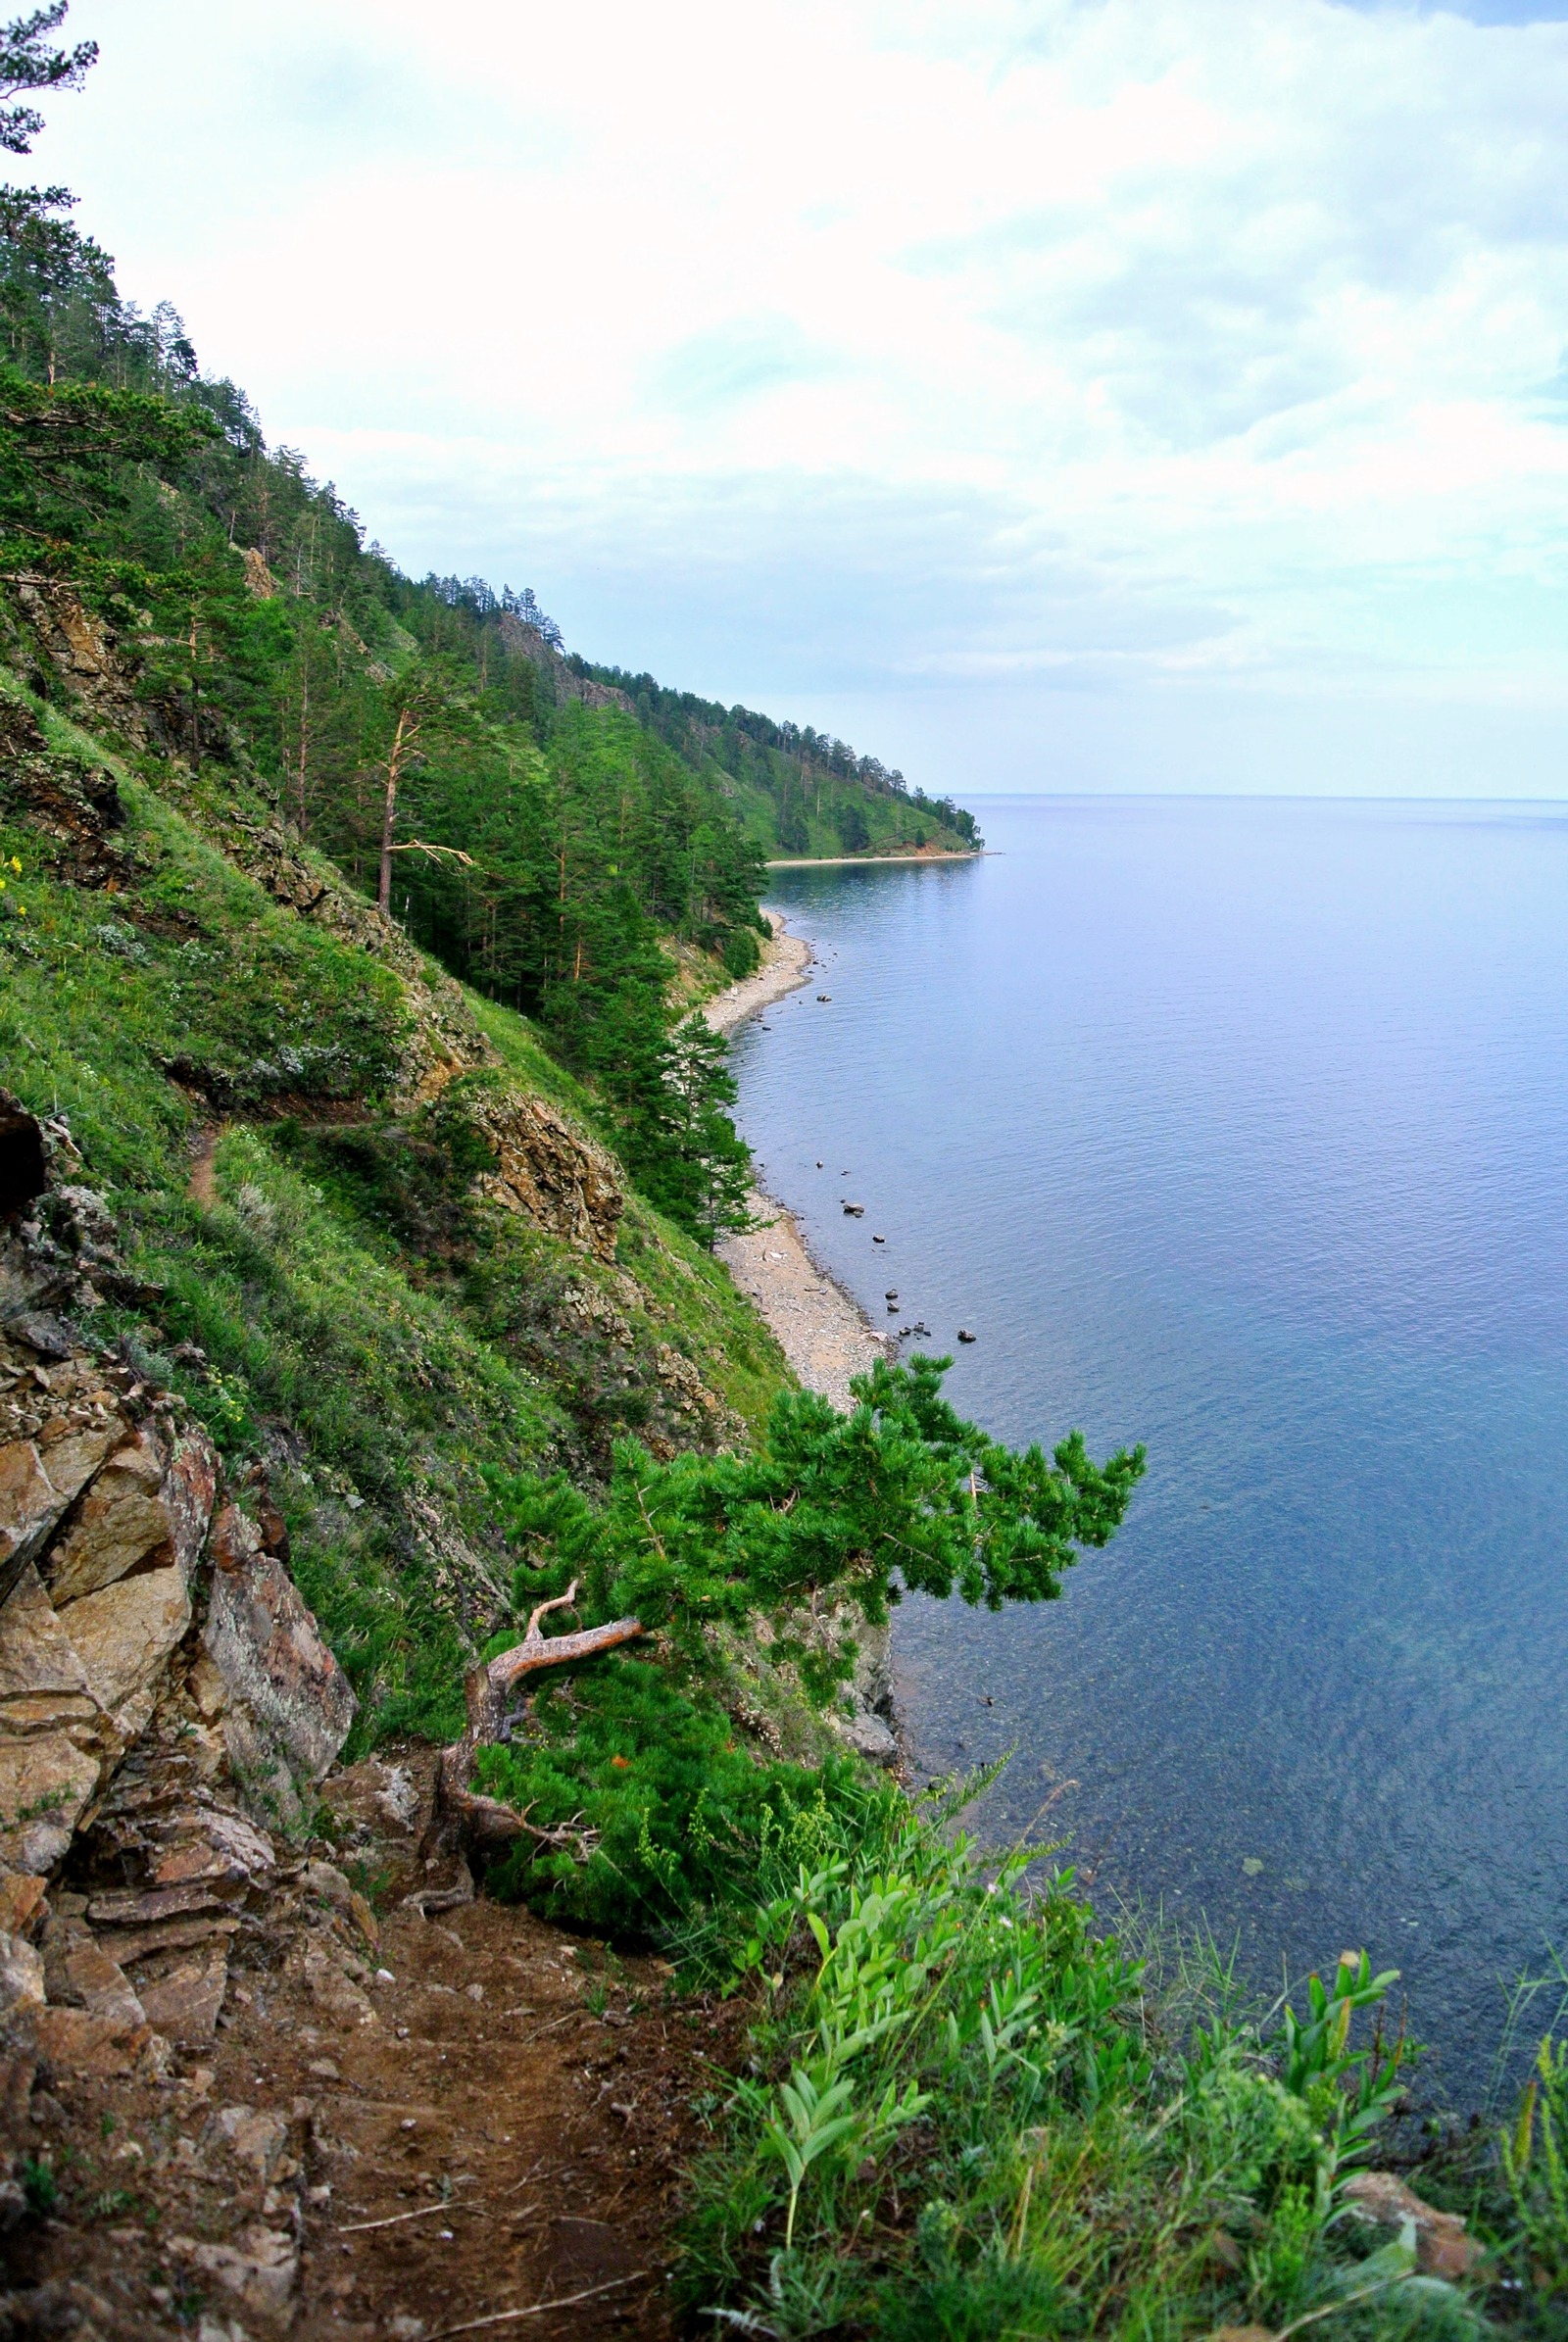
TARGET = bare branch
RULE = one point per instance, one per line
(561, 1602)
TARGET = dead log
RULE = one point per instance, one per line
(464, 1818)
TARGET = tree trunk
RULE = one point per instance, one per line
(464, 1818)
(402, 741)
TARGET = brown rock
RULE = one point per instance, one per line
(128, 1945)
(261, 2267)
(39, 1479)
(382, 1799)
(202, 1900)
(266, 1646)
(43, 1683)
(85, 1977)
(211, 1844)
(184, 2004)
(72, 2041)
(152, 1498)
(544, 1169)
(45, 1784)
(335, 1994)
(21, 1978)
(16, 2077)
(124, 1636)
(1441, 2247)
(22, 1895)
(208, 1694)
(255, 2137)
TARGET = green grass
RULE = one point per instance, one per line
(344, 1308)
(969, 2115)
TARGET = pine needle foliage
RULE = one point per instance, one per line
(900, 1493)
(676, 1815)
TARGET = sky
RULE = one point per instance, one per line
(1040, 393)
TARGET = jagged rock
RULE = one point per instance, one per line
(277, 1670)
(22, 1894)
(205, 1899)
(76, 2041)
(124, 1636)
(41, 1476)
(151, 1497)
(563, 682)
(129, 1945)
(333, 1991)
(45, 1784)
(870, 1736)
(262, 2267)
(22, 1976)
(80, 1974)
(76, 807)
(560, 1181)
(43, 1683)
(255, 2137)
(184, 2004)
(82, 649)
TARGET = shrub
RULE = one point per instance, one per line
(670, 1813)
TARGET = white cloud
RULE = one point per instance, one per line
(1177, 351)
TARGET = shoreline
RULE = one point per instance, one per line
(826, 1334)
(822, 1330)
(844, 861)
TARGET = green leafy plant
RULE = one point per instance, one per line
(39, 2185)
(1536, 2171)
(1347, 2090)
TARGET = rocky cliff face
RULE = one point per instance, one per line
(166, 1700)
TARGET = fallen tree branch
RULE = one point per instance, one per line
(562, 2301)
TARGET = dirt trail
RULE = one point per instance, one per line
(477, 2123)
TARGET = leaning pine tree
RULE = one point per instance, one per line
(632, 1782)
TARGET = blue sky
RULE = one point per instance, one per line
(1084, 394)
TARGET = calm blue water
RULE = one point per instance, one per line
(1239, 1128)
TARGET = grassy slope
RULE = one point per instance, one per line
(338, 1304)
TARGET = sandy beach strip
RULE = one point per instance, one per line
(824, 1334)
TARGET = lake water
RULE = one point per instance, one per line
(1239, 1128)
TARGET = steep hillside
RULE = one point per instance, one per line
(369, 1232)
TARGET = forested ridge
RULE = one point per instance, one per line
(573, 841)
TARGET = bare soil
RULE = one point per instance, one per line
(485, 2135)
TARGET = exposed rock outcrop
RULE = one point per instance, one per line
(544, 1169)
(559, 675)
(76, 807)
(84, 651)
(165, 1696)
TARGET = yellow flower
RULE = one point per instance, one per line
(15, 865)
